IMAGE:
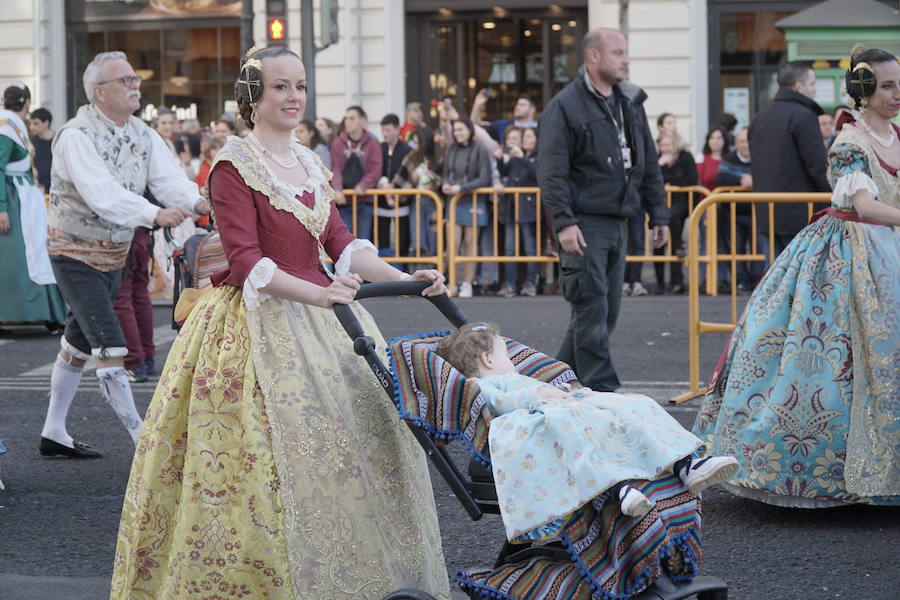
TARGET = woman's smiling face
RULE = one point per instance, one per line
(284, 92)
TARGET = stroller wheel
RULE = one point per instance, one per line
(409, 594)
(713, 595)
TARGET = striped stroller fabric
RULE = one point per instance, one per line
(210, 258)
(432, 394)
(613, 556)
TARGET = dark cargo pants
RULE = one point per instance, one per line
(593, 286)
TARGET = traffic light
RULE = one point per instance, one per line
(276, 23)
(277, 29)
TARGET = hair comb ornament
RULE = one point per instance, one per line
(253, 50)
(245, 73)
(862, 80)
(479, 328)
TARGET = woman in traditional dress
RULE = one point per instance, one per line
(271, 464)
(30, 294)
(806, 396)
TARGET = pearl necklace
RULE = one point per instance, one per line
(286, 163)
(892, 135)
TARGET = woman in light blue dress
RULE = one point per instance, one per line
(807, 395)
(554, 450)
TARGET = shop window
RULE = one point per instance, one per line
(507, 54)
(192, 70)
(749, 48)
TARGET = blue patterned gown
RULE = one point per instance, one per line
(808, 395)
(552, 451)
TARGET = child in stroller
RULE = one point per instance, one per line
(554, 449)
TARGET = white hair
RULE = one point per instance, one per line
(93, 73)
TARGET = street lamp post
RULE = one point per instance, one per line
(308, 51)
(246, 26)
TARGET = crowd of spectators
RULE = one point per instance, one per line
(460, 152)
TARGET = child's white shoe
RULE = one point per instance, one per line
(706, 472)
(634, 503)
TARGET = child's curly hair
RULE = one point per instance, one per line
(464, 347)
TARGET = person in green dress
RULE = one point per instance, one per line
(30, 294)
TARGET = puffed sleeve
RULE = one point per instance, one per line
(848, 172)
(236, 219)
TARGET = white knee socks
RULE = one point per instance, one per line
(117, 393)
(63, 385)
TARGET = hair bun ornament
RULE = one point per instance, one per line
(861, 80)
(858, 49)
(479, 328)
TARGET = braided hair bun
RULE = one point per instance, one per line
(248, 88)
(16, 96)
(860, 80)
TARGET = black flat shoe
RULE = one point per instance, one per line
(50, 448)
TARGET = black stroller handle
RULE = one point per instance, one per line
(364, 346)
(396, 288)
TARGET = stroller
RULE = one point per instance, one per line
(584, 564)
(200, 256)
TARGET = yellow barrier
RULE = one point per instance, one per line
(454, 258)
(696, 327)
(415, 211)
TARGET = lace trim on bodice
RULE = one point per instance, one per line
(887, 183)
(252, 168)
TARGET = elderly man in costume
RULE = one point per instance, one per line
(103, 160)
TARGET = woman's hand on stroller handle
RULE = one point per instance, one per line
(432, 276)
(341, 291)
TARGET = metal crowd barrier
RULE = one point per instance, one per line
(415, 212)
(695, 193)
(454, 258)
(696, 327)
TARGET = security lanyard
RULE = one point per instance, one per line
(620, 130)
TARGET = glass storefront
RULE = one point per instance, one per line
(456, 55)
(187, 64)
(746, 48)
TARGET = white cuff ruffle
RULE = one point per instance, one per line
(260, 276)
(342, 266)
(849, 184)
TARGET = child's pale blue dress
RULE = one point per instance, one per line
(552, 450)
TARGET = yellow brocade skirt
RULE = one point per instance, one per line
(272, 465)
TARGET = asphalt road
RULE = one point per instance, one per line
(58, 518)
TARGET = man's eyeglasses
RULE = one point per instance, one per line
(127, 81)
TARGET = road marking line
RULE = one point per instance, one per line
(162, 335)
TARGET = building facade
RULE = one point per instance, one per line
(695, 58)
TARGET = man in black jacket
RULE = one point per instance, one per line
(788, 154)
(598, 167)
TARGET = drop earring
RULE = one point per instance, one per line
(253, 113)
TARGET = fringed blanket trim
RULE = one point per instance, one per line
(612, 556)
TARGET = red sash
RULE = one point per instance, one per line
(840, 214)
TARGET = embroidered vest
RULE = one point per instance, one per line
(74, 229)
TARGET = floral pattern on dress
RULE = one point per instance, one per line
(810, 383)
